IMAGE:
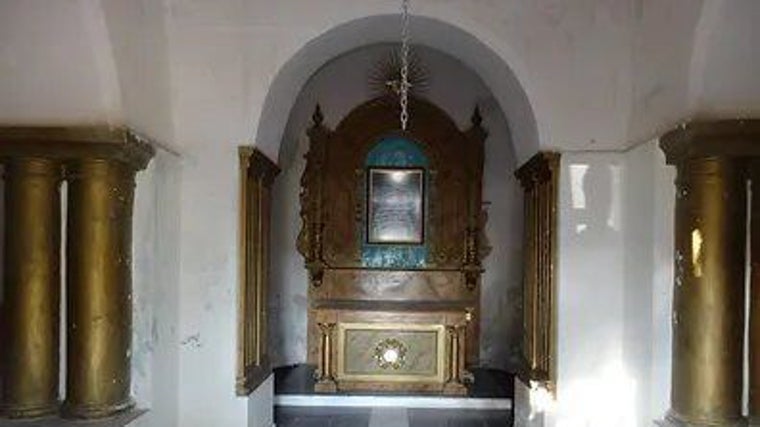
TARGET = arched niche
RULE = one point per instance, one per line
(339, 86)
(496, 72)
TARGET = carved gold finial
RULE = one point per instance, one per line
(477, 118)
(318, 117)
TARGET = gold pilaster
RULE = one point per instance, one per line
(539, 178)
(30, 312)
(257, 175)
(325, 373)
(709, 291)
(99, 294)
(456, 361)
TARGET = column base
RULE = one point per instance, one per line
(89, 411)
(326, 386)
(672, 419)
(118, 420)
(28, 411)
(454, 389)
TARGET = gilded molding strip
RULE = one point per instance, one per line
(257, 175)
(71, 143)
(539, 179)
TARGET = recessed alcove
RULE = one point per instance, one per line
(341, 85)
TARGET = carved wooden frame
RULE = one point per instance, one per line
(257, 174)
(539, 178)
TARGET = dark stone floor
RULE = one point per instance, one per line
(299, 379)
(385, 417)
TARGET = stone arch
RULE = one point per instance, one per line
(491, 67)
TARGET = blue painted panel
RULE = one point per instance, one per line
(396, 152)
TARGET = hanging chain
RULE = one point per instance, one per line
(404, 89)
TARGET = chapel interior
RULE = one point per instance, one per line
(397, 213)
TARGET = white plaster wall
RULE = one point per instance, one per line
(208, 301)
(662, 281)
(614, 288)
(156, 289)
(56, 64)
(261, 405)
(138, 36)
(339, 87)
(661, 62)
(725, 62)
(648, 218)
(594, 384)
(622, 65)
(638, 234)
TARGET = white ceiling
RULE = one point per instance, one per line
(572, 75)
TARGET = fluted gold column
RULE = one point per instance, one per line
(99, 307)
(30, 311)
(708, 319)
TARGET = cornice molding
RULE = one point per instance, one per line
(258, 163)
(76, 142)
(729, 138)
(538, 168)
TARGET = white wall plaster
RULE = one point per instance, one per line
(156, 289)
(594, 385)
(138, 31)
(261, 405)
(208, 301)
(615, 288)
(725, 63)
(56, 64)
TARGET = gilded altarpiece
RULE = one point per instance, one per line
(391, 307)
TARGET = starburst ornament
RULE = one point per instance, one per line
(385, 76)
(401, 85)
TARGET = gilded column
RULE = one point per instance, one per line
(709, 290)
(708, 319)
(325, 375)
(30, 312)
(99, 294)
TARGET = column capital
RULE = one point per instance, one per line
(730, 138)
(258, 164)
(541, 167)
(76, 142)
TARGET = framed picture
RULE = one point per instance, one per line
(395, 206)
